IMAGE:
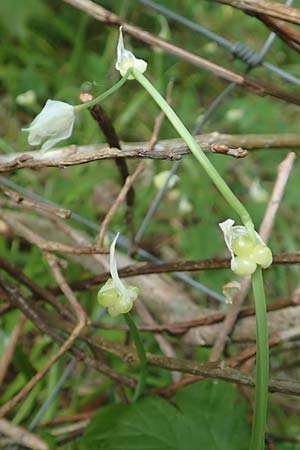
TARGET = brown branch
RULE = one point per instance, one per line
(183, 326)
(284, 31)
(196, 265)
(10, 348)
(170, 149)
(163, 344)
(119, 200)
(34, 205)
(38, 291)
(41, 319)
(284, 170)
(128, 355)
(21, 436)
(105, 16)
(82, 320)
(268, 8)
(106, 125)
(49, 246)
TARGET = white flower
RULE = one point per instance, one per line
(233, 115)
(28, 98)
(53, 124)
(246, 253)
(160, 179)
(185, 206)
(126, 59)
(257, 192)
(115, 295)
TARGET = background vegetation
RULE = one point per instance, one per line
(56, 51)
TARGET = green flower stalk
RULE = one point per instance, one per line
(119, 297)
(248, 252)
(56, 120)
(256, 255)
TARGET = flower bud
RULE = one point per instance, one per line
(115, 295)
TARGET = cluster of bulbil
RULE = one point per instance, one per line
(246, 253)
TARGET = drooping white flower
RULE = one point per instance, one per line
(246, 253)
(53, 124)
(126, 59)
(115, 295)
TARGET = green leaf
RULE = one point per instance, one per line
(207, 415)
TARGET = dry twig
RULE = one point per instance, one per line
(170, 149)
(10, 348)
(119, 200)
(268, 8)
(106, 125)
(105, 16)
(21, 436)
(82, 320)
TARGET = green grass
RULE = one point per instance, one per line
(56, 50)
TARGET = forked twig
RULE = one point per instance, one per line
(82, 320)
(119, 200)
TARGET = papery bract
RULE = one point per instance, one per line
(126, 59)
(115, 295)
(53, 124)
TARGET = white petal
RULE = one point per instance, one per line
(226, 227)
(51, 111)
(55, 122)
(120, 49)
(34, 138)
(126, 59)
(65, 134)
(113, 266)
(140, 65)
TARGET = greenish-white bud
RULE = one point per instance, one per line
(114, 294)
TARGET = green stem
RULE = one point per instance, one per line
(198, 153)
(141, 354)
(262, 356)
(262, 364)
(106, 94)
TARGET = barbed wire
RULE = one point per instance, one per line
(239, 50)
(248, 56)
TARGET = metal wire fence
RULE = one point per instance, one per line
(238, 50)
(251, 59)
